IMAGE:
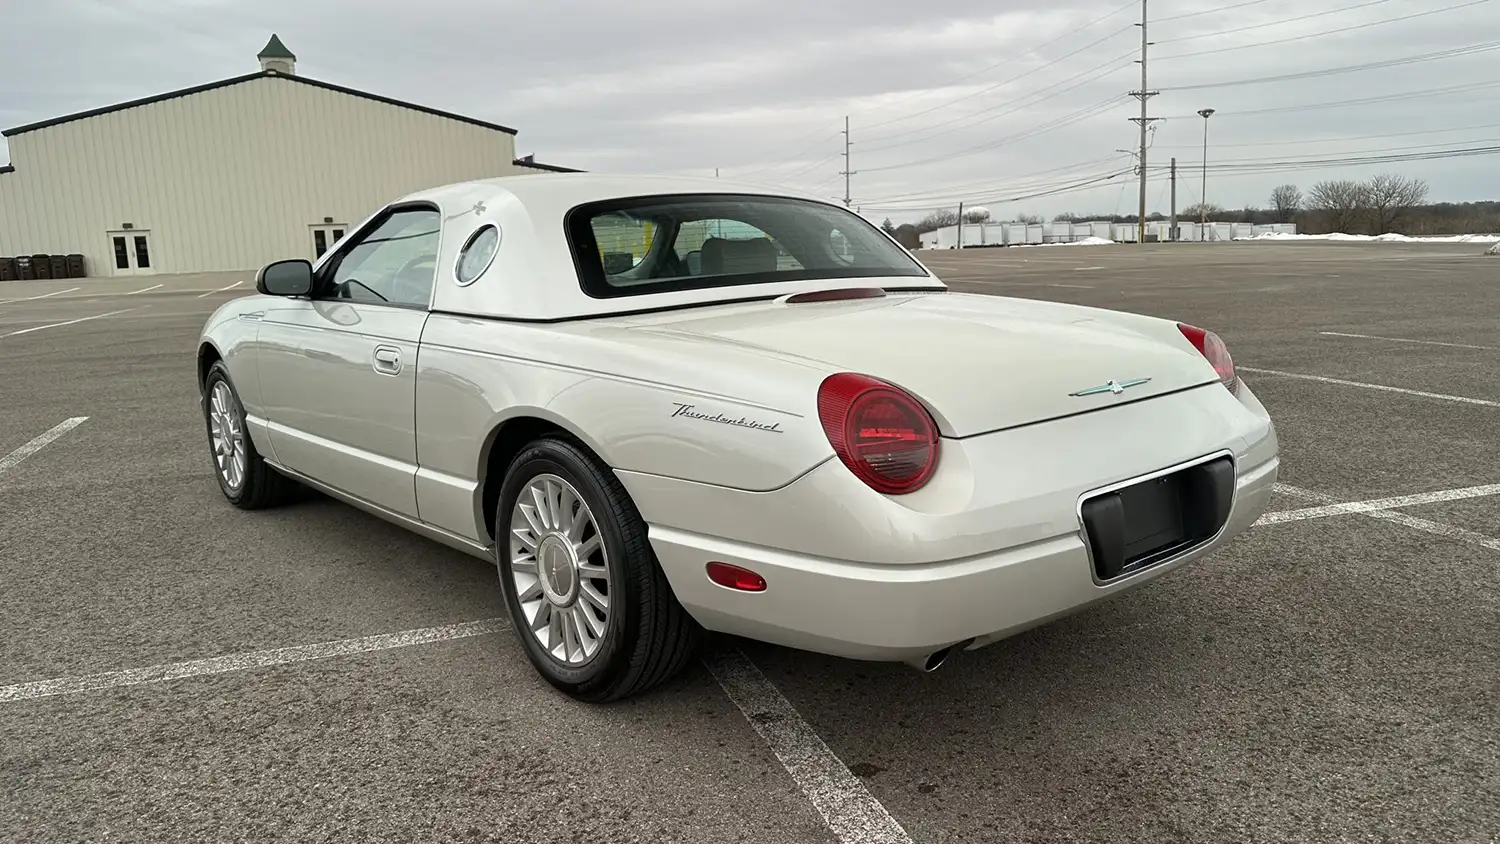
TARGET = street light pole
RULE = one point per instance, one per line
(1205, 113)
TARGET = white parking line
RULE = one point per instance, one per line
(1085, 269)
(144, 289)
(1403, 390)
(10, 461)
(851, 812)
(248, 660)
(43, 296)
(1403, 340)
(1404, 519)
(1074, 286)
(69, 322)
(1373, 505)
(221, 289)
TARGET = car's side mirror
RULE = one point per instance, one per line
(292, 277)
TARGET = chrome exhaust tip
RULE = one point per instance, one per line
(938, 658)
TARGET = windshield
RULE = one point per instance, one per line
(663, 244)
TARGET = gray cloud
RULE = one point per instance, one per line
(760, 90)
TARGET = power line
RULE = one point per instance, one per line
(941, 191)
(1218, 50)
(1232, 7)
(1407, 95)
(1107, 67)
(1286, 166)
(1345, 138)
(1316, 155)
(1273, 23)
(1127, 5)
(1062, 189)
(1331, 71)
(1056, 123)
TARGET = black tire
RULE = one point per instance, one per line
(649, 638)
(262, 486)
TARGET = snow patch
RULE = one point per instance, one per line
(1379, 238)
(1493, 250)
(1087, 241)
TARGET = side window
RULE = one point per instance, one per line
(623, 241)
(395, 263)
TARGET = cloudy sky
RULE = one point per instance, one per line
(993, 103)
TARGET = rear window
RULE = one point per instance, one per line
(663, 244)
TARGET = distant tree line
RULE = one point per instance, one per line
(1382, 204)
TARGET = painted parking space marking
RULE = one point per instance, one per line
(1353, 507)
(144, 289)
(248, 660)
(1404, 519)
(69, 322)
(12, 460)
(43, 296)
(1383, 387)
(1404, 340)
(851, 812)
(221, 289)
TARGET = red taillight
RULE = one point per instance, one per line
(735, 577)
(885, 437)
(1214, 350)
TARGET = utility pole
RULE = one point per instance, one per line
(846, 172)
(1143, 95)
(1174, 198)
(960, 225)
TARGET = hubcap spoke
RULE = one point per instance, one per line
(561, 578)
(226, 435)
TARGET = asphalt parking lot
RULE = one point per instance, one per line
(173, 669)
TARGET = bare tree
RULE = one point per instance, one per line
(1287, 201)
(980, 215)
(1029, 219)
(1193, 213)
(1389, 196)
(1341, 201)
(937, 220)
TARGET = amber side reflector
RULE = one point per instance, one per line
(735, 577)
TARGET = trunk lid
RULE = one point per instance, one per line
(981, 363)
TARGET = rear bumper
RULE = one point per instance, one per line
(878, 611)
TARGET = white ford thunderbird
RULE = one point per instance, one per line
(662, 406)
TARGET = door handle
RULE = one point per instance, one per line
(387, 360)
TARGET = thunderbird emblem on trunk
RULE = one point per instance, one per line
(1112, 386)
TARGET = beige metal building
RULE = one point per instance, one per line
(232, 174)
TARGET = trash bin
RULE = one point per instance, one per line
(41, 266)
(24, 270)
(76, 267)
(59, 265)
(8, 269)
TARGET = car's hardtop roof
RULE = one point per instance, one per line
(559, 192)
(533, 275)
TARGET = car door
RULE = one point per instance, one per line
(338, 368)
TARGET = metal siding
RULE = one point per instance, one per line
(232, 178)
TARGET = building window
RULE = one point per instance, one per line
(142, 253)
(320, 242)
(122, 259)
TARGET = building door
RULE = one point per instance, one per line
(324, 236)
(130, 253)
